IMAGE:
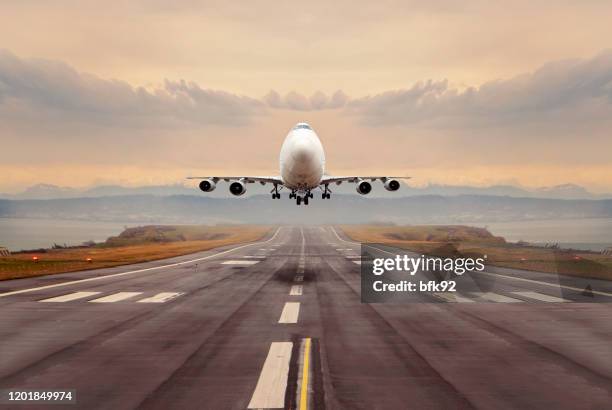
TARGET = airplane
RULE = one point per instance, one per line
(302, 169)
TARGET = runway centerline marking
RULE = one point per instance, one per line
(161, 297)
(290, 313)
(272, 384)
(70, 297)
(114, 275)
(116, 297)
(499, 275)
(298, 278)
(296, 290)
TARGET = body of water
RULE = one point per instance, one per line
(24, 233)
(591, 234)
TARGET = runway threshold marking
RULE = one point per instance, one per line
(115, 275)
(495, 297)
(239, 262)
(305, 375)
(70, 297)
(116, 297)
(296, 290)
(453, 297)
(272, 384)
(540, 296)
(161, 297)
(499, 275)
(290, 313)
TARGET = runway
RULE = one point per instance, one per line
(279, 324)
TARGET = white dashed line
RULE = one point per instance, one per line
(272, 384)
(494, 297)
(539, 296)
(290, 313)
(117, 297)
(296, 290)
(298, 278)
(70, 297)
(255, 257)
(357, 262)
(161, 297)
(452, 297)
(239, 262)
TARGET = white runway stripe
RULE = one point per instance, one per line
(298, 278)
(71, 296)
(272, 384)
(539, 296)
(243, 262)
(290, 313)
(161, 297)
(255, 257)
(453, 297)
(357, 262)
(296, 290)
(116, 297)
(494, 297)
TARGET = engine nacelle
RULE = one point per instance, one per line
(364, 187)
(392, 185)
(237, 188)
(208, 185)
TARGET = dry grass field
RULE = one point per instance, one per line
(457, 240)
(131, 246)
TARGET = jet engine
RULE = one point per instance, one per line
(208, 185)
(364, 187)
(392, 185)
(237, 188)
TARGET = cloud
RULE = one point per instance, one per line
(557, 95)
(298, 102)
(54, 94)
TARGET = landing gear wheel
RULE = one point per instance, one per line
(299, 200)
(306, 200)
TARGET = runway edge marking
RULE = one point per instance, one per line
(114, 275)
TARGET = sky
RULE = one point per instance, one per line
(447, 91)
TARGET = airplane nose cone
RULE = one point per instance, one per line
(302, 153)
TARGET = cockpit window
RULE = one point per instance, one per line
(302, 126)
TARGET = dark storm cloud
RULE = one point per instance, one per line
(52, 93)
(558, 94)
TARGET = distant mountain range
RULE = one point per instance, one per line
(340, 209)
(48, 191)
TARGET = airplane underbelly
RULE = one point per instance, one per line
(301, 176)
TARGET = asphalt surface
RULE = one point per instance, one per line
(279, 323)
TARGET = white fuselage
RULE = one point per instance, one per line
(302, 159)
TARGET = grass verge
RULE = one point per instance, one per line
(133, 245)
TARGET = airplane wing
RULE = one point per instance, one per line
(246, 179)
(354, 179)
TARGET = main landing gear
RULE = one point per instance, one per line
(299, 199)
(326, 193)
(275, 194)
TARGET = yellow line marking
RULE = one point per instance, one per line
(305, 371)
